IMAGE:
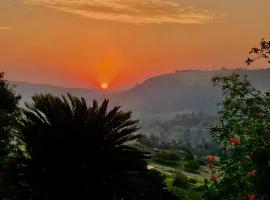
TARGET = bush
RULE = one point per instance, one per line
(183, 194)
(192, 166)
(193, 181)
(202, 160)
(244, 136)
(167, 157)
(180, 180)
(188, 154)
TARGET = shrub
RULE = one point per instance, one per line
(243, 133)
(193, 181)
(180, 180)
(167, 157)
(192, 166)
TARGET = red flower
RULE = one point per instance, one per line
(252, 172)
(211, 158)
(251, 197)
(235, 141)
(213, 179)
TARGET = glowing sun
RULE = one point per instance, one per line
(104, 86)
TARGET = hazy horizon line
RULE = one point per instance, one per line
(137, 83)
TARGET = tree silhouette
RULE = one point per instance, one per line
(8, 99)
(75, 151)
(8, 114)
(262, 51)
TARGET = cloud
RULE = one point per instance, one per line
(5, 28)
(132, 11)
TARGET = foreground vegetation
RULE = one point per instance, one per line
(240, 168)
(61, 148)
(243, 133)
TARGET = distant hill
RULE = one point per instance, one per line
(178, 106)
(190, 90)
(27, 90)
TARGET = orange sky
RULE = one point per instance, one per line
(83, 43)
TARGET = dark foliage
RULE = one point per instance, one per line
(8, 99)
(8, 114)
(260, 52)
(192, 166)
(180, 180)
(167, 157)
(75, 151)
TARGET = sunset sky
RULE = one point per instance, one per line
(84, 43)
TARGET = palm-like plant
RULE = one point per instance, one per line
(75, 151)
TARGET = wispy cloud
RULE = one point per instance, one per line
(133, 11)
(5, 28)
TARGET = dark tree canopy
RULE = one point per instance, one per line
(8, 99)
(8, 112)
(76, 151)
(8, 118)
(260, 52)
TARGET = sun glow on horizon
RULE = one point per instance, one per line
(104, 86)
(115, 44)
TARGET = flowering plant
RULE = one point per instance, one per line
(243, 134)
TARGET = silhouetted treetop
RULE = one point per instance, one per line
(9, 112)
(262, 51)
(8, 98)
(76, 151)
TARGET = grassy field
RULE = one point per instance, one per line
(169, 172)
